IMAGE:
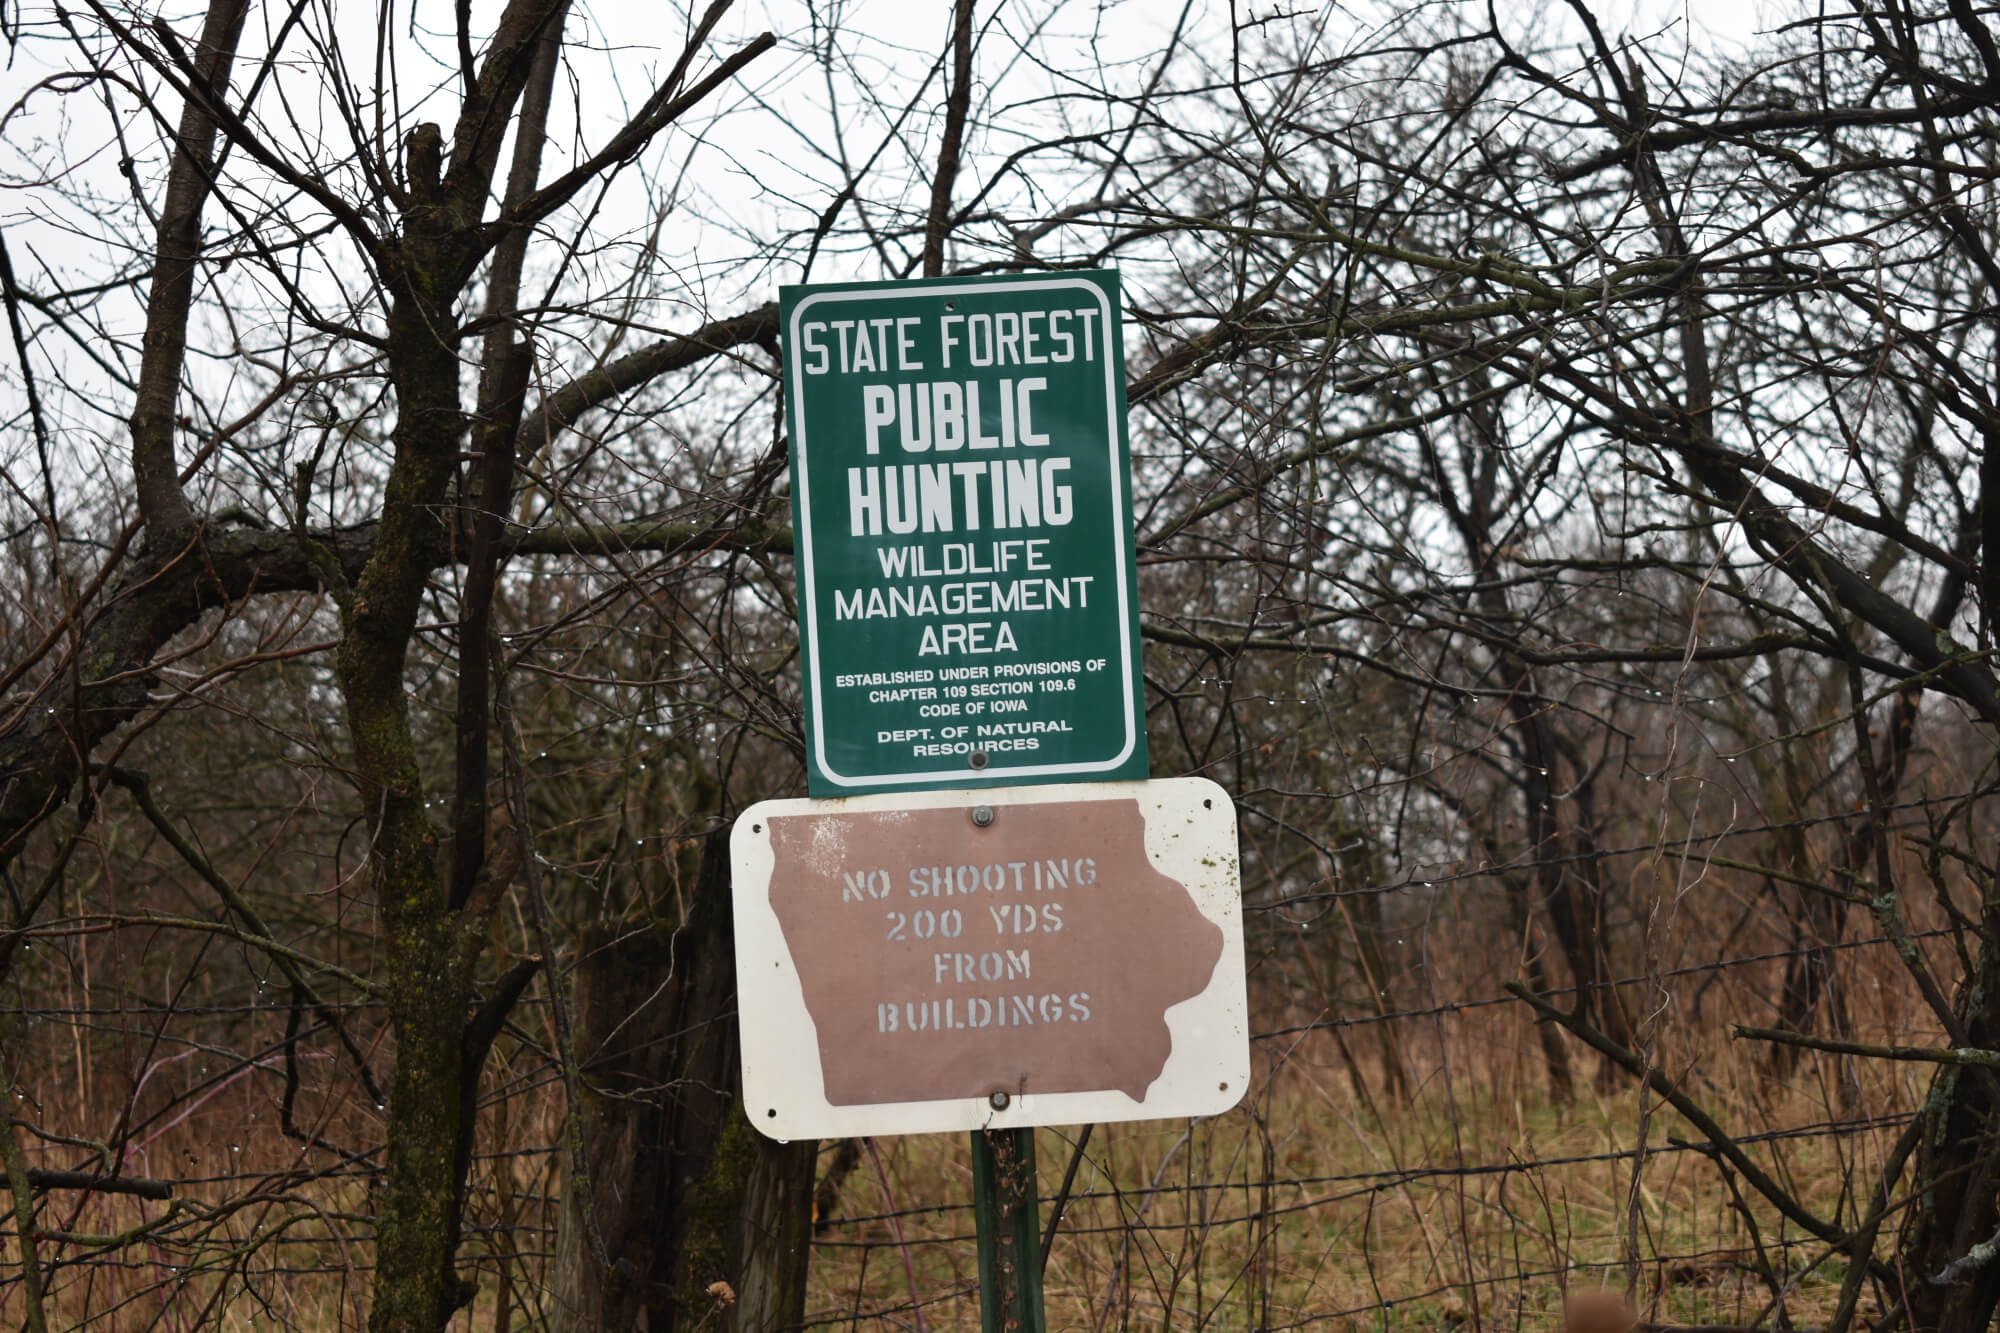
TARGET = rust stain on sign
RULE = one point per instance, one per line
(940, 959)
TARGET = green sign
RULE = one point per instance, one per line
(962, 503)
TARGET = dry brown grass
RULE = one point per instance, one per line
(1470, 1201)
(1474, 1203)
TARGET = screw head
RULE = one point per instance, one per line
(982, 816)
(998, 1101)
(977, 759)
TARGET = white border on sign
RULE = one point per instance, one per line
(1118, 538)
(1207, 1073)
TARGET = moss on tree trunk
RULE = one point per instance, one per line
(1958, 1175)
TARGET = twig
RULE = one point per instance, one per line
(1062, 1194)
(1943, 1055)
(130, 1235)
(140, 789)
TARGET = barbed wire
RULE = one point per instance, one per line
(1187, 1212)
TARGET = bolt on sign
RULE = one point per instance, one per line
(990, 959)
(962, 504)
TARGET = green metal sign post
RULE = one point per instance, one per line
(962, 503)
(1008, 1213)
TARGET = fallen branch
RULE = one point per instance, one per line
(41, 1179)
(1941, 1055)
(1669, 1091)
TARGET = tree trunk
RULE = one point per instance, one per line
(1555, 1055)
(1810, 979)
(429, 968)
(1358, 875)
(1956, 1169)
(682, 1193)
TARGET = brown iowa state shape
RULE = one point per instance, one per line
(1132, 941)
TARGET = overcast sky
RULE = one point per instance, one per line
(759, 161)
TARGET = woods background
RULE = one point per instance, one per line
(1561, 445)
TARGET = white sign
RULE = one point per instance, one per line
(994, 958)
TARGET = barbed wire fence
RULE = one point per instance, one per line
(233, 1186)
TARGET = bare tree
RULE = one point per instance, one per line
(1549, 446)
(1583, 389)
(377, 241)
